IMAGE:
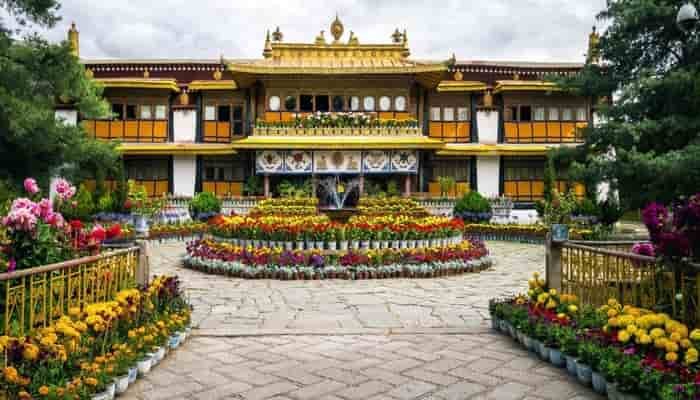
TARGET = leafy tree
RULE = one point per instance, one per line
(34, 76)
(647, 144)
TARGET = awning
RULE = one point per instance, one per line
(338, 142)
(176, 148)
(140, 83)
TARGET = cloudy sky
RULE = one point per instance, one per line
(536, 30)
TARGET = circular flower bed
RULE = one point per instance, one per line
(274, 263)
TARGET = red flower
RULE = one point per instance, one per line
(76, 225)
(114, 231)
(98, 234)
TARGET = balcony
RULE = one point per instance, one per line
(139, 130)
(450, 132)
(543, 132)
(336, 131)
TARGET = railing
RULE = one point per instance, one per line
(596, 274)
(239, 205)
(441, 207)
(35, 297)
(365, 131)
(140, 130)
(543, 132)
(450, 131)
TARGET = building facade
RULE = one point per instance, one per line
(186, 126)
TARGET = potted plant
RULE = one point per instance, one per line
(142, 207)
(556, 357)
(332, 238)
(588, 353)
(557, 215)
(342, 238)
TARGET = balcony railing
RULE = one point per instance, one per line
(543, 132)
(365, 131)
(450, 132)
(140, 130)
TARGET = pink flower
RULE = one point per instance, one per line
(12, 265)
(64, 189)
(31, 186)
(21, 219)
(45, 208)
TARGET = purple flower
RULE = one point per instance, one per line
(31, 186)
(630, 351)
(644, 249)
(655, 216)
(673, 244)
(317, 261)
(12, 265)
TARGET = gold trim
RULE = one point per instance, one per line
(140, 83)
(520, 86)
(336, 142)
(176, 148)
(461, 86)
(213, 85)
(497, 149)
(329, 70)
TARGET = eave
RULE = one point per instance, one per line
(140, 83)
(461, 86)
(526, 86)
(176, 149)
(501, 149)
(338, 143)
(213, 85)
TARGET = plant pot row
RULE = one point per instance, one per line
(142, 367)
(582, 372)
(436, 270)
(343, 245)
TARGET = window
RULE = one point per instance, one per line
(400, 103)
(273, 103)
(448, 114)
(338, 103)
(539, 114)
(462, 114)
(523, 178)
(290, 103)
(567, 114)
(457, 169)
(306, 103)
(511, 113)
(525, 113)
(323, 103)
(223, 169)
(224, 113)
(142, 169)
(435, 114)
(210, 113)
(581, 114)
(354, 103)
(384, 103)
(553, 114)
(161, 112)
(237, 120)
(368, 103)
(130, 111)
(146, 112)
(118, 111)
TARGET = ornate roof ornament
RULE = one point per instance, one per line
(396, 37)
(89, 74)
(74, 40)
(267, 52)
(337, 30)
(320, 39)
(277, 35)
(218, 74)
(146, 73)
(353, 41)
(458, 76)
(593, 55)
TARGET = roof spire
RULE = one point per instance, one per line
(277, 35)
(593, 56)
(337, 29)
(267, 52)
(74, 40)
(396, 36)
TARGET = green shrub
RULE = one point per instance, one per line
(392, 189)
(105, 203)
(586, 207)
(253, 186)
(81, 207)
(205, 203)
(472, 202)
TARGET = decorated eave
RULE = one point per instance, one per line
(461, 86)
(140, 83)
(501, 149)
(336, 58)
(417, 142)
(525, 86)
(212, 85)
(175, 149)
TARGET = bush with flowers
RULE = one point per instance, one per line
(228, 259)
(618, 349)
(88, 350)
(675, 230)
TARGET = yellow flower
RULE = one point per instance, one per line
(44, 391)
(645, 339)
(623, 336)
(573, 309)
(552, 292)
(671, 347)
(11, 375)
(632, 329)
(612, 313)
(660, 343)
(91, 381)
(30, 352)
(551, 304)
(671, 357)
(685, 343)
(657, 333)
(695, 334)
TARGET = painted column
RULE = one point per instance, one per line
(488, 175)
(407, 186)
(184, 175)
(266, 185)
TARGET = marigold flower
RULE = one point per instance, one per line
(623, 336)
(672, 357)
(44, 390)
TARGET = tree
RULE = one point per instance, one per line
(34, 76)
(647, 145)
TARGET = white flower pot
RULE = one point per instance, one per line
(309, 245)
(121, 384)
(376, 244)
(364, 244)
(289, 246)
(300, 245)
(160, 354)
(333, 245)
(344, 245)
(404, 244)
(144, 366)
(133, 373)
(412, 244)
(320, 245)
(395, 244)
(384, 244)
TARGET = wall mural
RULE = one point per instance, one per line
(335, 162)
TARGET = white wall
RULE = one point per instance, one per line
(69, 117)
(487, 121)
(488, 175)
(185, 125)
(184, 174)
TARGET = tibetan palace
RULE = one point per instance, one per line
(365, 116)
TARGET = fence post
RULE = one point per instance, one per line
(143, 268)
(553, 264)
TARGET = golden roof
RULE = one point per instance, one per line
(213, 85)
(140, 83)
(501, 149)
(338, 142)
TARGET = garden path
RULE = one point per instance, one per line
(337, 339)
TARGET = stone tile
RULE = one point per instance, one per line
(267, 391)
(384, 375)
(364, 390)
(400, 365)
(223, 391)
(432, 377)
(411, 390)
(508, 391)
(347, 377)
(460, 391)
(317, 390)
(483, 365)
(298, 376)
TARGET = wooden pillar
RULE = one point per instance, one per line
(407, 186)
(553, 263)
(362, 185)
(143, 269)
(266, 185)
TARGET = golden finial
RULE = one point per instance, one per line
(184, 98)
(277, 35)
(74, 40)
(146, 73)
(353, 41)
(405, 37)
(321, 39)
(396, 36)
(516, 76)
(337, 30)
(89, 74)
(488, 99)
(218, 74)
(593, 50)
(458, 75)
(267, 52)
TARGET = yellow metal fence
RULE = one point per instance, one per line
(596, 274)
(35, 297)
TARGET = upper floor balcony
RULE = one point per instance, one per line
(337, 124)
(145, 123)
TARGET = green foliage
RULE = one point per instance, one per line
(610, 212)
(33, 75)
(586, 207)
(473, 202)
(559, 209)
(652, 126)
(121, 191)
(392, 189)
(81, 207)
(289, 189)
(253, 186)
(205, 202)
(105, 203)
(447, 185)
(550, 179)
(141, 204)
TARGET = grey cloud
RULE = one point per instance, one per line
(537, 30)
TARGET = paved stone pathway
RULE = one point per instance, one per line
(345, 340)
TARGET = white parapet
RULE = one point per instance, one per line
(184, 175)
(185, 125)
(487, 121)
